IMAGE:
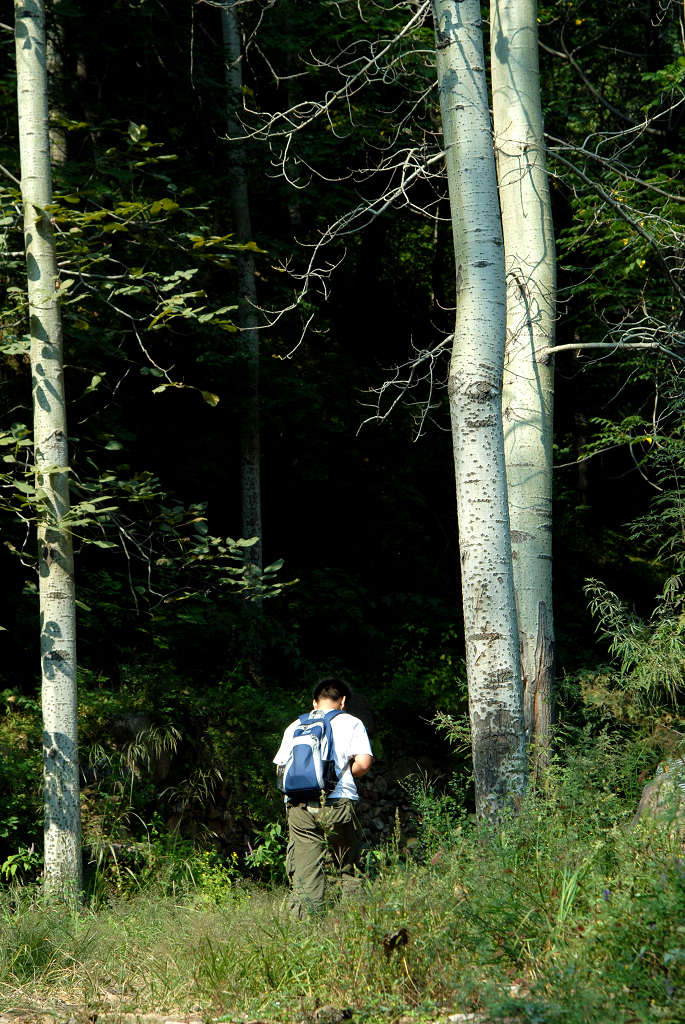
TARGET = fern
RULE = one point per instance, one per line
(650, 653)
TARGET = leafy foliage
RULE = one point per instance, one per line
(21, 767)
(650, 654)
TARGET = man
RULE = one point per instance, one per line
(321, 827)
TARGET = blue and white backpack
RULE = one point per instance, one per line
(310, 769)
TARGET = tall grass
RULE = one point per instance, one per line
(562, 912)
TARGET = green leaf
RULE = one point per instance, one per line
(210, 398)
(129, 289)
(136, 132)
(113, 446)
(95, 380)
(171, 280)
(65, 285)
(163, 206)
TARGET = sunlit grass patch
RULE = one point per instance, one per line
(560, 911)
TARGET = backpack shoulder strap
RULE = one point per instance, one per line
(327, 719)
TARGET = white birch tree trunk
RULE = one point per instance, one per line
(62, 827)
(528, 393)
(475, 392)
(247, 310)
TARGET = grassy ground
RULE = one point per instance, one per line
(556, 916)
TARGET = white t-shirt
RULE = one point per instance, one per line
(349, 739)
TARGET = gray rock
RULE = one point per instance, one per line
(663, 798)
(331, 1015)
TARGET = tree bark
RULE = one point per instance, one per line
(528, 390)
(55, 71)
(475, 392)
(247, 310)
(62, 827)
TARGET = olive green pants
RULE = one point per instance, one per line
(317, 836)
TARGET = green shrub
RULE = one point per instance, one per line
(21, 770)
(267, 857)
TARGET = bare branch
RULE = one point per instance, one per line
(10, 176)
(543, 354)
(616, 166)
(566, 55)
(406, 377)
(302, 114)
(623, 213)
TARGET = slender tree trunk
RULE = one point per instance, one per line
(528, 393)
(247, 312)
(55, 69)
(55, 552)
(475, 391)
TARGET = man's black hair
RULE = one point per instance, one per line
(332, 688)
